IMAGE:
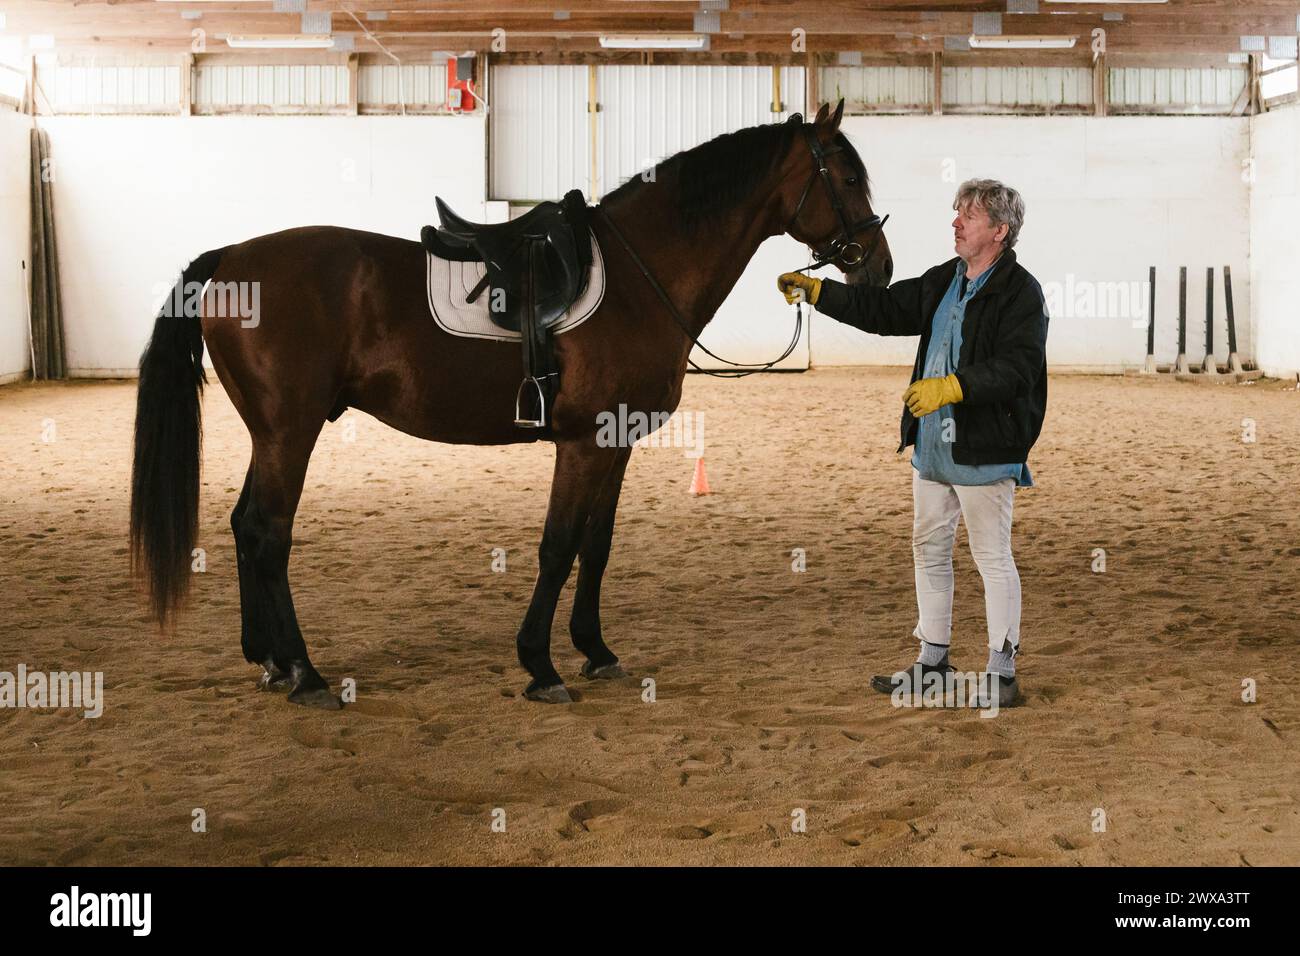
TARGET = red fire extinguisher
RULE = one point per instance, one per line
(461, 96)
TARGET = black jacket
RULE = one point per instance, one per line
(1002, 366)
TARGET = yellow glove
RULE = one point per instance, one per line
(792, 283)
(927, 395)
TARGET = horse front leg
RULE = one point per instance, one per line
(593, 556)
(581, 468)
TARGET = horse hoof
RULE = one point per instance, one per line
(555, 694)
(604, 672)
(320, 698)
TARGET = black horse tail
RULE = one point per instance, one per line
(168, 442)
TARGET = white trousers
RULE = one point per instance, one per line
(987, 510)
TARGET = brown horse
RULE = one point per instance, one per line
(344, 322)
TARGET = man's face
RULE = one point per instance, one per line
(974, 234)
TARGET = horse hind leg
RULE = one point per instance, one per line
(255, 638)
(264, 537)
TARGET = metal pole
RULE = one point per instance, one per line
(1209, 311)
(1182, 310)
(1150, 366)
(1234, 362)
(1209, 367)
(1181, 364)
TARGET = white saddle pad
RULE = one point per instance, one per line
(450, 282)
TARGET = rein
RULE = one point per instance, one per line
(740, 370)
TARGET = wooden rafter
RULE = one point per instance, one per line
(572, 28)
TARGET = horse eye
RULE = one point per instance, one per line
(851, 181)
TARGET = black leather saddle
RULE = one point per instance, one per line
(537, 266)
(554, 235)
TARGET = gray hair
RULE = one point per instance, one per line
(1001, 202)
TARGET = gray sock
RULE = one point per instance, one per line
(932, 654)
(1004, 661)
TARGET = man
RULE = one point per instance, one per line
(973, 411)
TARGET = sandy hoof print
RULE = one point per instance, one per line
(320, 698)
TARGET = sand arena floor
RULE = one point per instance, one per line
(1133, 678)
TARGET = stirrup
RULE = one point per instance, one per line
(540, 421)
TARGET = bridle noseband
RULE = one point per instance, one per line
(840, 245)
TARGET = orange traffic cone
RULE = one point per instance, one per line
(700, 481)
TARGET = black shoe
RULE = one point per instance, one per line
(1008, 690)
(888, 683)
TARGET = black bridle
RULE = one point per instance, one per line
(846, 240)
(839, 251)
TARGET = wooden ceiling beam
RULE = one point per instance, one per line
(413, 49)
(126, 8)
(763, 26)
(221, 23)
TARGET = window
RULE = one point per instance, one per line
(13, 71)
(1277, 80)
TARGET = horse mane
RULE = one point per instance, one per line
(714, 177)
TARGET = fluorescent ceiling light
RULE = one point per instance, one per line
(653, 42)
(287, 42)
(40, 41)
(1021, 43)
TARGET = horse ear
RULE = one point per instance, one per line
(839, 113)
(795, 119)
(822, 114)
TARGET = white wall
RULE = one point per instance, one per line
(1105, 199)
(15, 185)
(541, 149)
(137, 197)
(1274, 241)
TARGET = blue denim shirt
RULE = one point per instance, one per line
(932, 457)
